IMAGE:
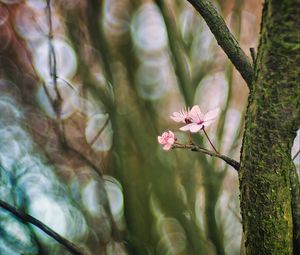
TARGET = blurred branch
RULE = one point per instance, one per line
(57, 103)
(295, 156)
(93, 12)
(184, 80)
(24, 217)
(95, 138)
(192, 147)
(235, 23)
(93, 15)
(52, 56)
(224, 38)
(82, 157)
(253, 56)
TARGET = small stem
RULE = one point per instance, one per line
(295, 156)
(190, 138)
(99, 132)
(210, 141)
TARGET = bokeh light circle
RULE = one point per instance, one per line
(47, 96)
(99, 133)
(115, 196)
(66, 62)
(148, 29)
(3, 14)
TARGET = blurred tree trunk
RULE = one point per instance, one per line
(268, 199)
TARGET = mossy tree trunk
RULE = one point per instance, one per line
(268, 201)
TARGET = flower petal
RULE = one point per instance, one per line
(196, 114)
(160, 140)
(211, 115)
(165, 134)
(196, 128)
(208, 123)
(177, 119)
(171, 140)
(167, 147)
(187, 127)
(177, 114)
(171, 134)
(196, 110)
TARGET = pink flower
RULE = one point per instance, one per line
(182, 116)
(167, 139)
(198, 120)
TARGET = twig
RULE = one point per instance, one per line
(65, 81)
(99, 132)
(295, 156)
(94, 12)
(57, 103)
(192, 147)
(224, 38)
(210, 141)
(52, 55)
(82, 157)
(24, 217)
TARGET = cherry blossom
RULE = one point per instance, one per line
(198, 120)
(182, 116)
(167, 139)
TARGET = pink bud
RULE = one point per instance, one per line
(167, 139)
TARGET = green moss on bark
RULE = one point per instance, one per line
(271, 124)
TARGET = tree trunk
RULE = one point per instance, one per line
(269, 219)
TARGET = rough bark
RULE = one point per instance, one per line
(269, 220)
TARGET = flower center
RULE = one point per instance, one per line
(187, 120)
(200, 122)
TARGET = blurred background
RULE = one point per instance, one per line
(86, 87)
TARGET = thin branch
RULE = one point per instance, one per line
(225, 38)
(296, 155)
(82, 157)
(235, 23)
(24, 217)
(210, 142)
(94, 15)
(57, 103)
(192, 147)
(52, 55)
(100, 131)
